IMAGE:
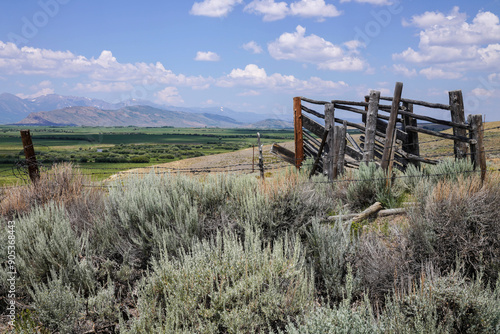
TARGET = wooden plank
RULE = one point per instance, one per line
(29, 153)
(361, 112)
(283, 153)
(261, 158)
(373, 209)
(330, 140)
(382, 128)
(438, 134)
(313, 112)
(313, 101)
(419, 103)
(371, 126)
(313, 126)
(458, 116)
(434, 120)
(310, 138)
(353, 142)
(478, 155)
(356, 155)
(350, 103)
(298, 136)
(318, 157)
(386, 162)
(311, 148)
(410, 145)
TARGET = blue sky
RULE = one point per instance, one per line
(252, 55)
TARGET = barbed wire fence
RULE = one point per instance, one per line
(20, 169)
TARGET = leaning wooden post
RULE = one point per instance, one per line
(342, 144)
(371, 126)
(390, 136)
(458, 116)
(261, 158)
(330, 140)
(411, 146)
(29, 153)
(298, 135)
(476, 133)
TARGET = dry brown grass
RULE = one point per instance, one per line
(63, 184)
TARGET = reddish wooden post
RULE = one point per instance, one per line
(390, 136)
(29, 153)
(458, 116)
(299, 139)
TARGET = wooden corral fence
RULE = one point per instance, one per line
(389, 133)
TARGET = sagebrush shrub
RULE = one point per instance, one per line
(226, 285)
(58, 306)
(45, 242)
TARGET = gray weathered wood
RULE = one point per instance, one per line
(411, 145)
(330, 141)
(373, 209)
(438, 134)
(419, 103)
(353, 142)
(313, 101)
(261, 158)
(342, 145)
(310, 138)
(312, 112)
(356, 155)
(283, 153)
(458, 116)
(371, 126)
(386, 162)
(382, 128)
(313, 126)
(318, 157)
(478, 155)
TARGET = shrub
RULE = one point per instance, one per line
(443, 304)
(459, 219)
(331, 250)
(226, 285)
(140, 159)
(46, 242)
(57, 305)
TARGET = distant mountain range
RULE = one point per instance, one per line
(82, 111)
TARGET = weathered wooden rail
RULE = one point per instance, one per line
(390, 141)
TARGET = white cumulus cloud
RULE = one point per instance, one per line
(207, 56)
(372, 2)
(315, 50)
(214, 8)
(253, 47)
(272, 10)
(169, 95)
(449, 41)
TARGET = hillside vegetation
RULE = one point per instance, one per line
(233, 254)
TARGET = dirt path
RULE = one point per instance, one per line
(235, 162)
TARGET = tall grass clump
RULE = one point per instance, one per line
(226, 285)
(371, 185)
(63, 183)
(459, 220)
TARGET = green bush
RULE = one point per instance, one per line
(140, 159)
(226, 285)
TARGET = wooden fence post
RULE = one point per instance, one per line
(341, 144)
(330, 140)
(390, 137)
(261, 158)
(371, 126)
(476, 133)
(299, 138)
(29, 153)
(411, 146)
(458, 116)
